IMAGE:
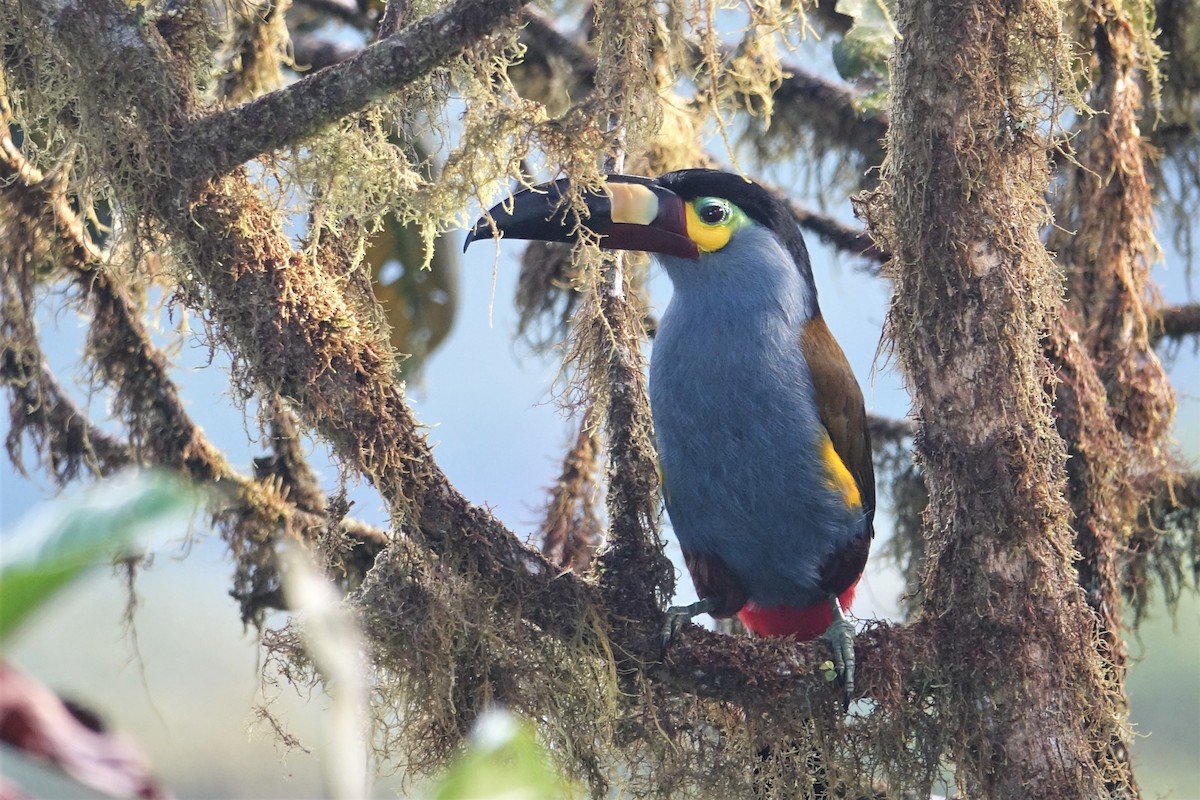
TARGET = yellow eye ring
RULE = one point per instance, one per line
(710, 222)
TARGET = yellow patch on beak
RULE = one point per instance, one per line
(632, 204)
(838, 477)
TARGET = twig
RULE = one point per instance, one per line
(888, 429)
(571, 529)
(854, 241)
(395, 16)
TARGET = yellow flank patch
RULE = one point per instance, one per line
(632, 203)
(838, 477)
(709, 238)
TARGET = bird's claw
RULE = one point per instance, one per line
(840, 637)
(677, 615)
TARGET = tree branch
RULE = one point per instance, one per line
(854, 241)
(162, 431)
(1175, 322)
(40, 409)
(216, 143)
(829, 109)
(60, 428)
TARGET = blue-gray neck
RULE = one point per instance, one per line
(751, 278)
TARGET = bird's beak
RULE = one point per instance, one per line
(630, 213)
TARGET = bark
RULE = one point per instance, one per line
(975, 294)
(1115, 403)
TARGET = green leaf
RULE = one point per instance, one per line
(502, 762)
(861, 56)
(419, 304)
(77, 533)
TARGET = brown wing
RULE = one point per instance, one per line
(842, 412)
(840, 404)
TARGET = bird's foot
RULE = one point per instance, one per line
(677, 615)
(840, 636)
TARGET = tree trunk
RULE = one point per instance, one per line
(975, 294)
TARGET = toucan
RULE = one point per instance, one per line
(760, 425)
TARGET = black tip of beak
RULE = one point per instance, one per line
(536, 213)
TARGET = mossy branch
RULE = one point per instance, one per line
(216, 143)
(40, 409)
(66, 441)
(1175, 323)
(721, 667)
(1165, 545)
(162, 433)
(830, 110)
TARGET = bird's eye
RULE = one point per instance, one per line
(712, 212)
